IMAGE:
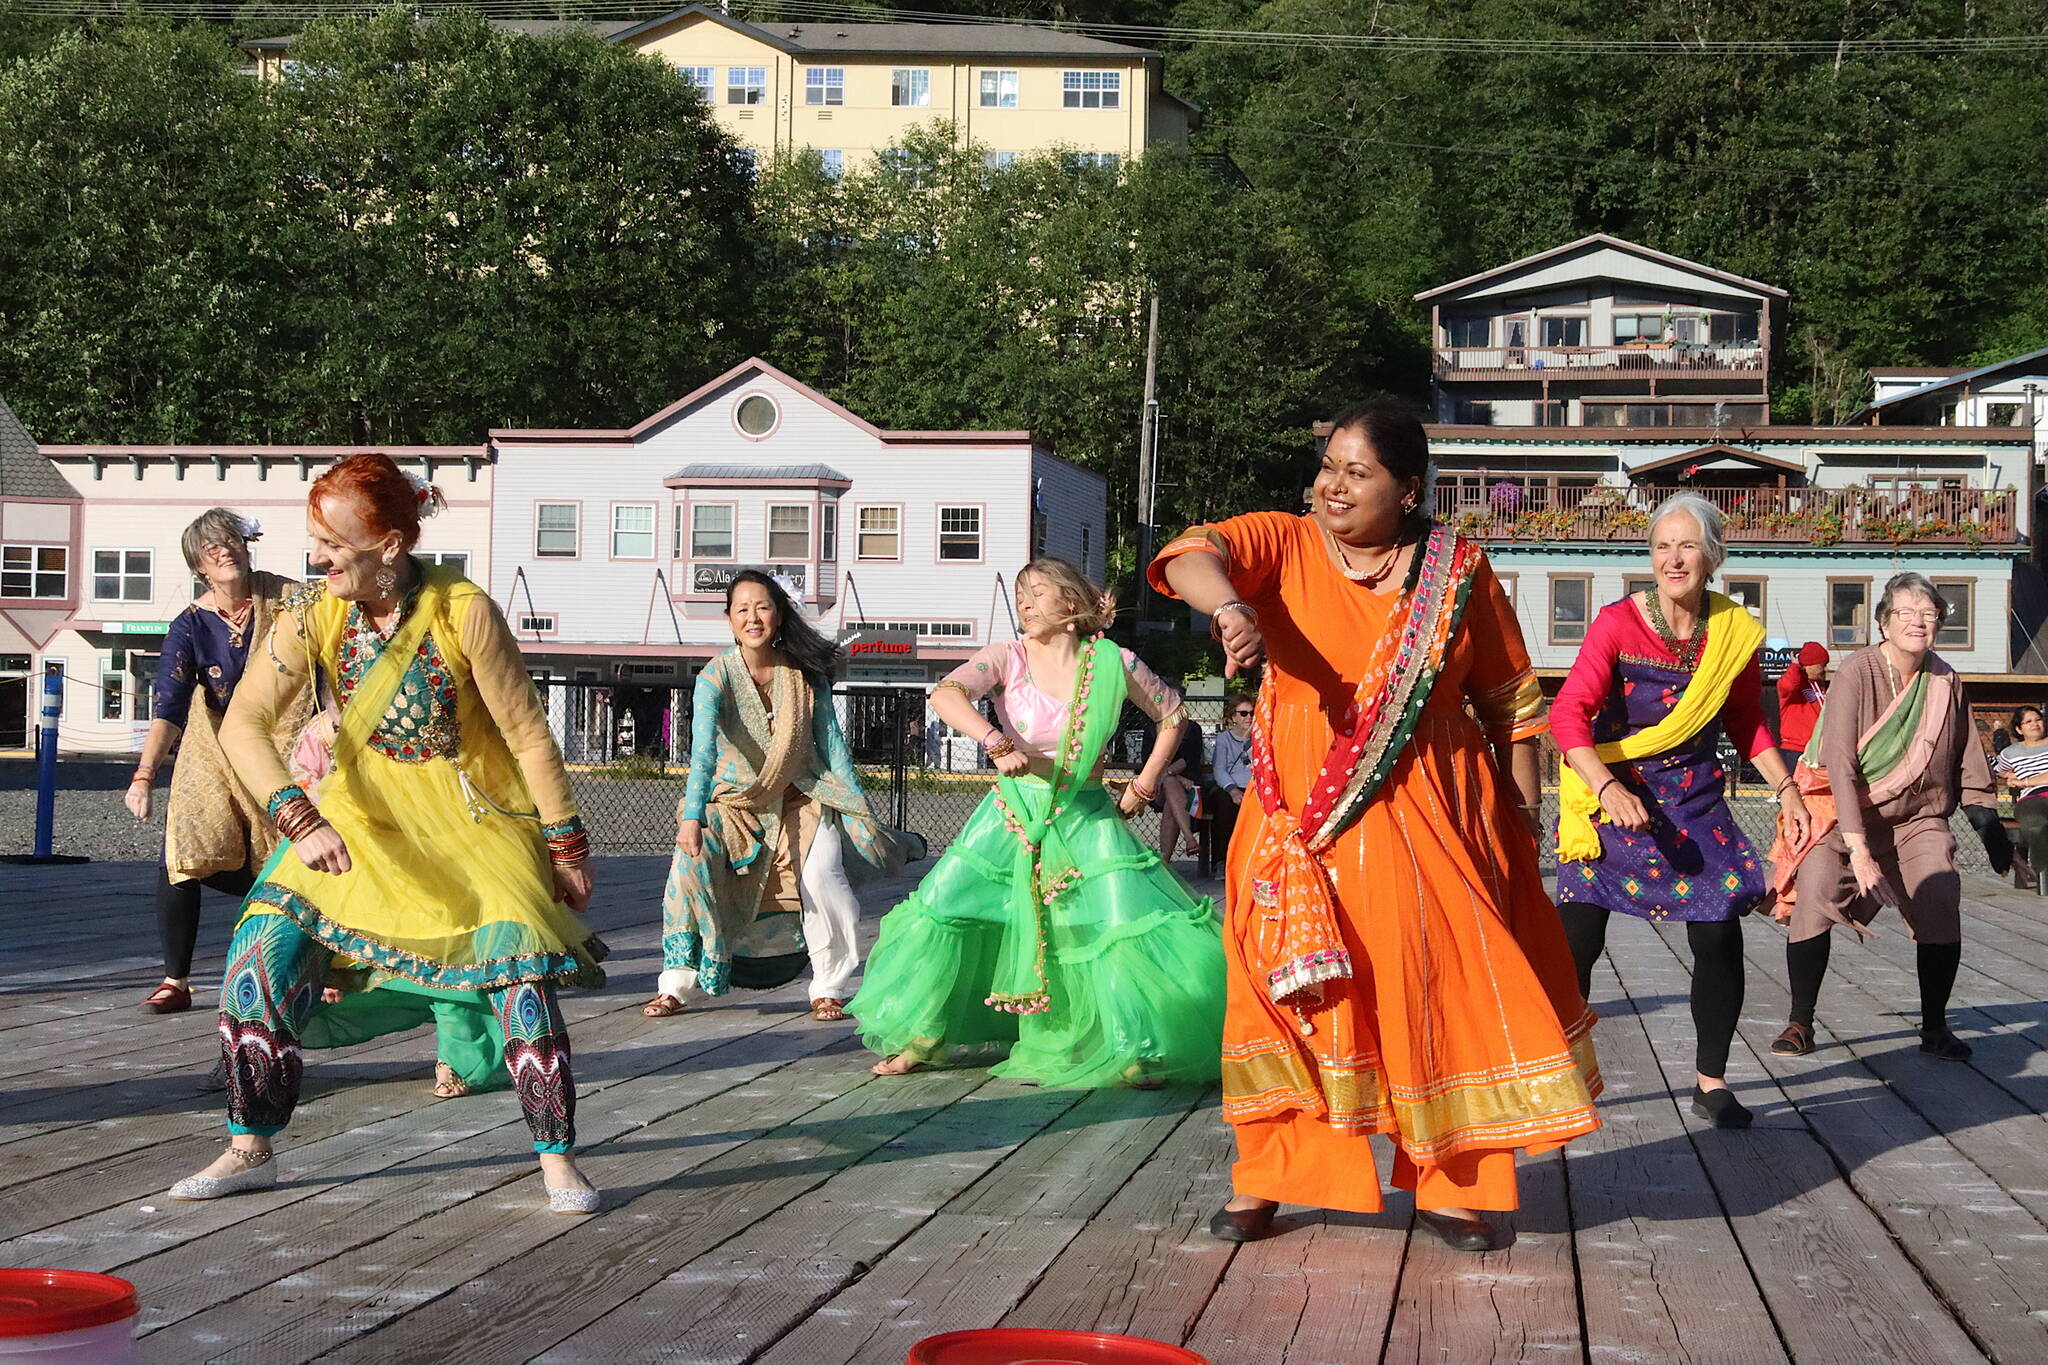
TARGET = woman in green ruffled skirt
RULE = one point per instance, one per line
(1048, 935)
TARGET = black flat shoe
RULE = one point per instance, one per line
(1720, 1108)
(1242, 1225)
(1459, 1234)
(1945, 1045)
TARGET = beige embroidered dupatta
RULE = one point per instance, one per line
(211, 822)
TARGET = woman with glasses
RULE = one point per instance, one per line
(1894, 752)
(215, 834)
(1230, 769)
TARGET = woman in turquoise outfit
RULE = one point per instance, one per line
(772, 821)
(1047, 931)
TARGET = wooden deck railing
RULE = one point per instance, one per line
(1680, 357)
(1505, 510)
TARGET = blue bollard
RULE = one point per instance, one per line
(46, 759)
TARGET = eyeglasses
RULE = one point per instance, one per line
(1240, 715)
(1927, 618)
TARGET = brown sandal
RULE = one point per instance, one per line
(826, 1010)
(448, 1085)
(662, 1006)
(1795, 1041)
(167, 999)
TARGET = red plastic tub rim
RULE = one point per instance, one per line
(45, 1302)
(1043, 1346)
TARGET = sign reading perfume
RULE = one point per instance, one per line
(882, 646)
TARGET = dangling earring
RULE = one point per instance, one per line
(776, 639)
(387, 580)
(1408, 505)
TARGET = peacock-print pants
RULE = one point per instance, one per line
(275, 971)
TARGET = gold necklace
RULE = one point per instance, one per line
(1369, 578)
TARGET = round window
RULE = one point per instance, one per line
(756, 414)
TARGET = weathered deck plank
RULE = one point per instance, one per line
(769, 1201)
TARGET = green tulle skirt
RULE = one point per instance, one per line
(1134, 961)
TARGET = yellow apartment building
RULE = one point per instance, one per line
(851, 91)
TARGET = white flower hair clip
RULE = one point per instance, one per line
(430, 499)
(252, 529)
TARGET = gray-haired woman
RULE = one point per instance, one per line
(1645, 827)
(215, 833)
(1896, 751)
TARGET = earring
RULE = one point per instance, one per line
(387, 580)
(1408, 504)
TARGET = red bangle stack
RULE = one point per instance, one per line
(299, 817)
(570, 848)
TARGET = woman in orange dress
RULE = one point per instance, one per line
(1393, 963)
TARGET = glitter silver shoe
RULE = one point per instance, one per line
(259, 1172)
(571, 1200)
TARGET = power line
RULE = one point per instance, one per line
(1747, 165)
(825, 11)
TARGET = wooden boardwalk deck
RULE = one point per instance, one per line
(768, 1200)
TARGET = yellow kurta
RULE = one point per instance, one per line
(441, 800)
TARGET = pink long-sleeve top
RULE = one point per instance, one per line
(1620, 629)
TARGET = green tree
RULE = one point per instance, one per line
(134, 290)
(488, 229)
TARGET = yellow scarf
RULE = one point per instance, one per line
(1732, 639)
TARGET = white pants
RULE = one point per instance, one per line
(831, 919)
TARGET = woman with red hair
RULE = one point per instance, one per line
(445, 841)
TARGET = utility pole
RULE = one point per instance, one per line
(1148, 435)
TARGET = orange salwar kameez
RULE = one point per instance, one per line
(1461, 1032)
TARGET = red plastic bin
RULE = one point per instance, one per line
(1042, 1346)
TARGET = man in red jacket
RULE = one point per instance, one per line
(1800, 691)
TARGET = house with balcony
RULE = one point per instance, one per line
(1558, 471)
(1602, 332)
(851, 91)
(612, 550)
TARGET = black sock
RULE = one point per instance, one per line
(1938, 963)
(1806, 964)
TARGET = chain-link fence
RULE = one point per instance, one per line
(628, 750)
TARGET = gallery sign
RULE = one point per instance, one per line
(716, 578)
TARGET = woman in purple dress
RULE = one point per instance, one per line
(1645, 827)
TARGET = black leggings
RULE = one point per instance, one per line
(1806, 965)
(1717, 976)
(177, 913)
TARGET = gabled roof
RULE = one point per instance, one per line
(732, 377)
(962, 39)
(24, 471)
(1600, 240)
(2037, 360)
(1719, 450)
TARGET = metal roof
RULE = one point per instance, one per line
(763, 472)
(24, 472)
(1959, 377)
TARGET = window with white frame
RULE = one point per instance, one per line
(705, 78)
(1468, 331)
(998, 90)
(34, 570)
(535, 623)
(960, 533)
(746, 84)
(747, 160)
(910, 88)
(557, 528)
(1090, 161)
(825, 85)
(1955, 630)
(828, 532)
(123, 576)
(999, 161)
(881, 533)
(113, 694)
(1091, 89)
(633, 531)
(789, 532)
(711, 530)
(832, 160)
(457, 560)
